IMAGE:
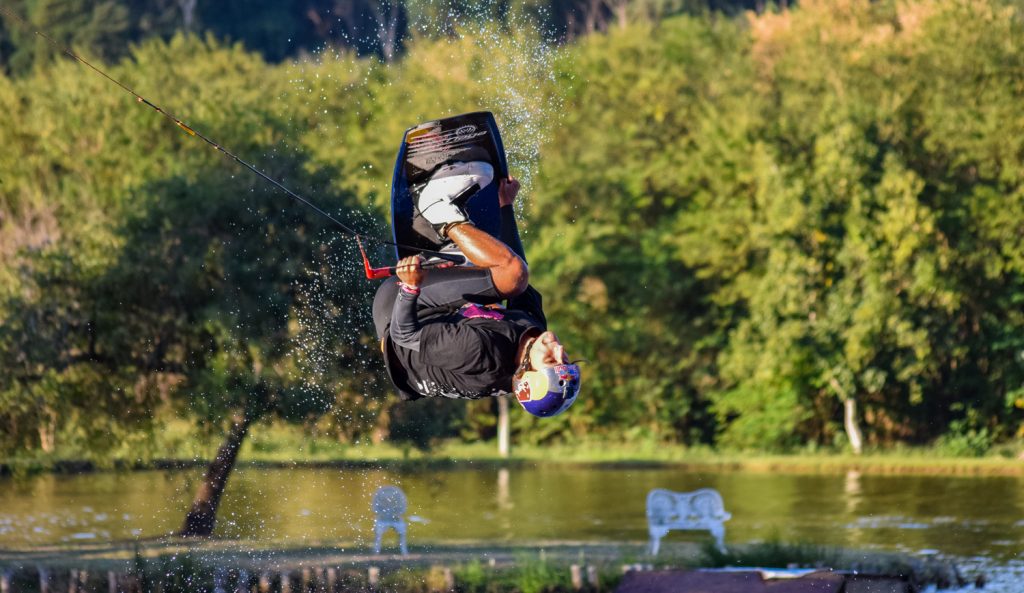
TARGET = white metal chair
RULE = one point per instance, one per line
(389, 506)
(700, 509)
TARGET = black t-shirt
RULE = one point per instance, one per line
(465, 357)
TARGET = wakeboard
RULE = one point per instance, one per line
(428, 147)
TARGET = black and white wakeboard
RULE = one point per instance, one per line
(426, 148)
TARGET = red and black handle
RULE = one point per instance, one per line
(446, 260)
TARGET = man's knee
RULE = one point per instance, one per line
(511, 277)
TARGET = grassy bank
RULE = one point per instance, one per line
(530, 567)
(285, 445)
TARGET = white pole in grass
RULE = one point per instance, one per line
(503, 428)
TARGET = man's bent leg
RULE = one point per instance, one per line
(456, 287)
(442, 287)
(507, 270)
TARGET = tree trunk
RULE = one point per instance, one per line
(849, 417)
(387, 15)
(503, 427)
(852, 428)
(47, 429)
(592, 18)
(619, 8)
(188, 12)
(203, 516)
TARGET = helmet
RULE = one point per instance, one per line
(549, 391)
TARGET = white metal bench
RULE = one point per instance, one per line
(700, 509)
(389, 507)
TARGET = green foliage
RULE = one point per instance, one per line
(797, 240)
(538, 576)
(967, 436)
(530, 574)
(741, 225)
(865, 275)
(623, 300)
(771, 554)
(171, 281)
(98, 28)
(473, 577)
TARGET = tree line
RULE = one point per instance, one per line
(780, 230)
(279, 30)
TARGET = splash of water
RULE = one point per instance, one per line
(517, 85)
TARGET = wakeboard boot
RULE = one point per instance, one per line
(442, 201)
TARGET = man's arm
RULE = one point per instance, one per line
(405, 321)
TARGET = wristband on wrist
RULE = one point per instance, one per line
(409, 289)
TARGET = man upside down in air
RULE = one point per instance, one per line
(442, 330)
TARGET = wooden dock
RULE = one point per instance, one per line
(755, 581)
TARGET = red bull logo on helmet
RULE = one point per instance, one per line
(549, 391)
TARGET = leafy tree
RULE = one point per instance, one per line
(860, 282)
(192, 290)
(759, 234)
(610, 195)
(99, 28)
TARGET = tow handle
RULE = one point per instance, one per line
(444, 260)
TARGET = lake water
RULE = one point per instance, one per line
(968, 517)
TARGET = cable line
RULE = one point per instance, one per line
(449, 257)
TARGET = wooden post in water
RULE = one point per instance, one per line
(243, 582)
(44, 580)
(304, 587)
(73, 581)
(321, 579)
(332, 580)
(449, 579)
(112, 581)
(576, 577)
(593, 579)
(373, 576)
(5, 582)
(286, 582)
(264, 584)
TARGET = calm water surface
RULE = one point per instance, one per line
(962, 516)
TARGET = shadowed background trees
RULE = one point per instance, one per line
(279, 30)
